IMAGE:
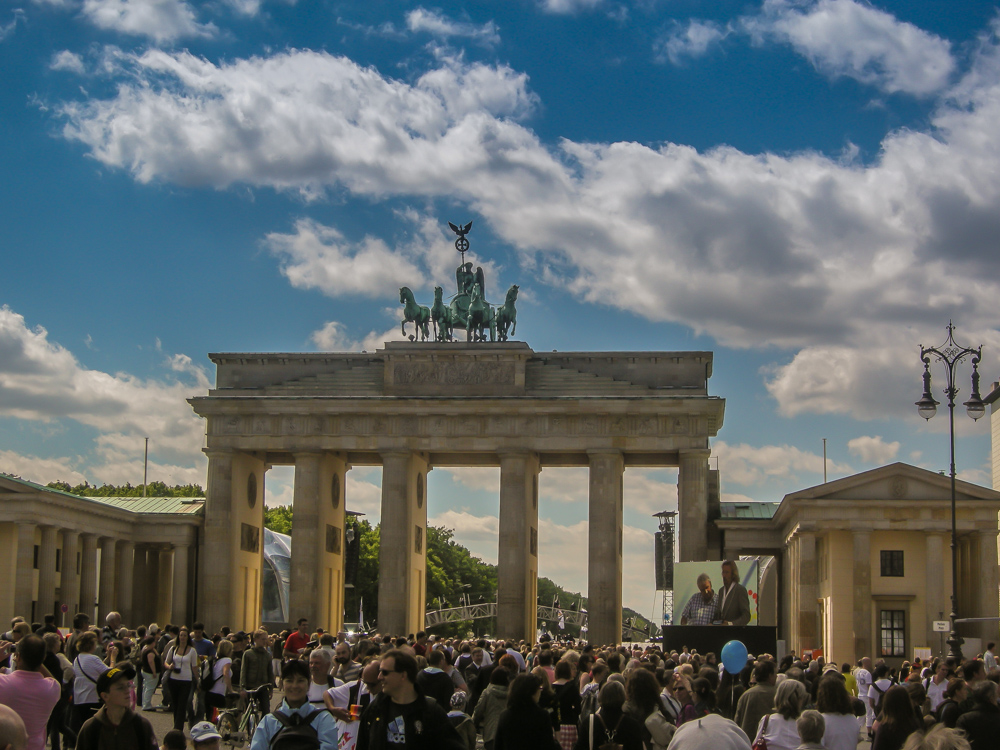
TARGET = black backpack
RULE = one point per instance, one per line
(296, 733)
(207, 675)
(877, 702)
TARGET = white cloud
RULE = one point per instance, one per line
(485, 478)
(68, 61)
(747, 465)
(7, 29)
(833, 260)
(318, 257)
(160, 20)
(685, 42)
(438, 25)
(569, 6)
(42, 381)
(42, 470)
(332, 337)
(848, 38)
(873, 449)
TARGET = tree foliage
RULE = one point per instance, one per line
(153, 489)
(279, 519)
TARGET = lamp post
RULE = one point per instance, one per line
(951, 353)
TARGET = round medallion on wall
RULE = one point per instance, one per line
(897, 487)
(252, 490)
(420, 490)
(335, 490)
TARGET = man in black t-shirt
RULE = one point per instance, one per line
(402, 718)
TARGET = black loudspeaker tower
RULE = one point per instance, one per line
(658, 561)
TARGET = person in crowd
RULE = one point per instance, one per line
(151, 667)
(491, 704)
(938, 737)
(321, 678)
(115, 726)
(297, 642)
(728, 694)
(461, 720)
(524, 725)
(982, 724)
(610, 723)
(87, 668)
(30, 690)
(758, 701)
(896, 720)
(181, 663)
(222, 685)
(13, 735)
(433, 681)
(347, 670)
(204, 736)
(937, 684)
(644, 705)
(811, 728)
(257, 669)
(294, 709)
(403, 719)
(732, 603)
(778, 728)
(703, 694)
(951, 707)
(567, 703)
(833, 701)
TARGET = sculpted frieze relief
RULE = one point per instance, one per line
(453, 373)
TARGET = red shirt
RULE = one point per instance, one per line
(296, 641)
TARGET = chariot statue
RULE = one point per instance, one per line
(468, 308)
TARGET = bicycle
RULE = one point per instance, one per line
(237, 728)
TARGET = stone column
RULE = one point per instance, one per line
(863, 593)
(24, 577)
(938, 582)
(88, 575)
(692, 504)
(69, 577)
(152, 587)
(179, 603)
(107, 593)
(402, 548)
(140, 587)
(988, 584)
(517, 569)
(47, 573)
(165, 597)
(604, 580)
(126, 568)
(305, 584)
(808, 627)
(216, 574)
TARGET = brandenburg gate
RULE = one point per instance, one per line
(415, 405)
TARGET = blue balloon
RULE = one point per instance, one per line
(734, 657)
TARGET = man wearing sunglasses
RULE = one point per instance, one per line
(402, 717)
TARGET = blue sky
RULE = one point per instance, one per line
(809, 189)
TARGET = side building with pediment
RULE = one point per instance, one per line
(864, 562)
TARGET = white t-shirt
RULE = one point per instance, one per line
(219, 688)
(87, 668)
(864, 678)
(841, 732)
(188, 664)
(882, 684)
(936, 693)
(316, 692)
(781, 733)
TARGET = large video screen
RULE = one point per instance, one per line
(686, 583)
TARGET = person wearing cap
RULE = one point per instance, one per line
(115, 726)
(204, 736)
(295, 681)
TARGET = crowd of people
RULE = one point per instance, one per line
(88, 690)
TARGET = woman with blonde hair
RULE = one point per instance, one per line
(778, 728)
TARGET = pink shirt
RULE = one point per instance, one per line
(32, 697)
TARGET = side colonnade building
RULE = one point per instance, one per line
(96, 555)
(412, 406)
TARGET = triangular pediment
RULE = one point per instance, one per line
(898, 482)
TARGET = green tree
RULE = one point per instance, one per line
(279, 519)
(153, 489)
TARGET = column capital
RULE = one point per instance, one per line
(215, 453)
(694, 453)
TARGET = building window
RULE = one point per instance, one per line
(893, 630)
(37, 550)
(892, 562)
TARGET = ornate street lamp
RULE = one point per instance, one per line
(951, 354)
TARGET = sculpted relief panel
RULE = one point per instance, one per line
(454, 373)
